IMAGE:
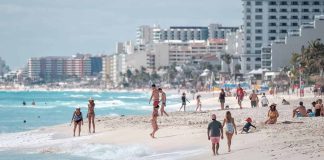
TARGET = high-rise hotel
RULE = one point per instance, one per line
(266, 21)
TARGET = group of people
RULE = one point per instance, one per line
(155, 96)
(77, 118)
(301, 110)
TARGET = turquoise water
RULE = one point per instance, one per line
(56, 107)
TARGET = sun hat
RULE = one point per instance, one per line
(249, 119)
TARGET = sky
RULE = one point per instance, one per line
(34, 28)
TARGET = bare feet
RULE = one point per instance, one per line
(152, 135)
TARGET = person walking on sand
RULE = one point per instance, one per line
(155, 96)
(264, 101)
(91, 115)
(214, 133)
(254, 99)
(184, 100)
(272, 114)
(163, 100)
(239, 95)
(198, 103)
(230, 129)
(222, 96)
(77, 119)
(154, 124)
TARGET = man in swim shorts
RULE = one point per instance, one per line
(155, 96)
(214, 133)
(154, 124)
(163, 100)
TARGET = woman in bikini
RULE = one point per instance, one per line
(91, 115)
(319, 109)
(77, 119)
(272, 114)
(230, 128)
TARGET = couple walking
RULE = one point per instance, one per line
(156, 101)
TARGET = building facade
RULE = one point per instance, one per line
(268, 20)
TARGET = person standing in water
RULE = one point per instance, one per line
(163, 99)
(33, 103)
(198, 103)
(24, 103)
(222, 96)
(215, 133)
(230, 128)
(91, 115)
(155, 96)
(77, 119)
(184, 100)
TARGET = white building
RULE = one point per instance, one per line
(279, 53)
(235, 47)
(113, 66)
(269, 20)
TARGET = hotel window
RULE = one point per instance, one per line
(258, 17)
(257, 66)
(294, 3)
(272, 38)
(258, 31)
(248, 52)
(294, 17)
(248, 67)
(258, 10)
(283, 10)
(283, 24)
(248, 24)
(283, 31)
(248, 45)
(248, 3)
(258, 24)
(258, 38)
(248, 38)
(272, 24)
(258, 45)
(248, 31)
(248, 59)
(258, 3)
(305, 3)
(257, 51)
(272, 31)
(272, 17)
(294, 10)
(305, 17)
(272, 3)
(283, 3)
(305, 10)
(272, 10)
(248, 17)
(283, 17)
(316, 10)
(294, 24)
(257, 59)
(316, 3)
(248, 10)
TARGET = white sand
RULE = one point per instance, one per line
(183, 135)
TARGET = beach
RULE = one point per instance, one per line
(183, 135)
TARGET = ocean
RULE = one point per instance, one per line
(56, 107)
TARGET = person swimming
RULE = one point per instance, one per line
(24, 103)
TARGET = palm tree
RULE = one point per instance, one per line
(227, 58)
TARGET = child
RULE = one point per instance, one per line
(310, 113)
(198, 103)
(264, 100)
(247, 126)
(77, 119)
(155, 126)
(183, 99)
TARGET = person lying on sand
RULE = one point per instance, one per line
(154, 124)
(247, 125)
(272, 114)
(77, 119)
(300, 111)
(284, 102)
(214, 133)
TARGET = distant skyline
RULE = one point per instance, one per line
(33, 28)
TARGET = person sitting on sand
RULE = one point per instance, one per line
(310, 113)
(272, 114)
(184, 100)
(300, 111)
(198, 103)
(264, 101)
(214, 133)
(91, 115)
(247, 125)
(154, 124)
(155, 96)
(163, 100)
(77, 119)
(284, 102)
(230, 128)
(319, 109)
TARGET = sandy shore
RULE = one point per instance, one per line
(182, 135)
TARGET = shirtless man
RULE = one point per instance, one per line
(163, 100)
(155, 96)
(254, 99)
(154, 124)
(91, 115)
(300, 111)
